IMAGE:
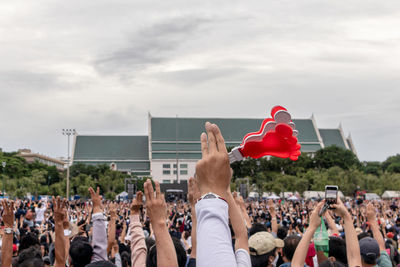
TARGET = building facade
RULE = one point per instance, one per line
(170, 151)
(31, 157)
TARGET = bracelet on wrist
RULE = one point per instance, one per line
(211, 195)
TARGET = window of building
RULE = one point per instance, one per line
(183, 172)
(175, 166)
(174, 171)
(166, 181)
(166, 172)
(166, 166)
(184, 166)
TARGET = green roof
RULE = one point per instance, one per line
(111, 148)
(332, 137)
(190, 129)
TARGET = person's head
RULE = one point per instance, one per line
(337, 249)
(40, 205)
(46, 261)
(329, 263)
(29, 240)
(125, 259)
(80, 253)
(369, 249)
(290, 245)
(282, 233)
(180, 254)
(263, 247)
(30, 257)
(257, 227)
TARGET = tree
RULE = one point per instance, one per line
(335, 156)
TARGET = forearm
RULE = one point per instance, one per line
(194, 236)
(59, 245)
(166, 255)
(377, 234)
(111, 234)
(300, 254)
(138, 244)
(6, 250)
(238, 225)
(274, 224)
(352, 246)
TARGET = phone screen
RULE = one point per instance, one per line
(330, 193)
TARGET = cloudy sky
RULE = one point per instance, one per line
(100, 66)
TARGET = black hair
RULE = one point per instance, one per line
(282, 233)
(290, 246)
(257, 227)
(180, 254)
(362, 235)
(28, 240)
(262, 260)
(329, 263)
(81, 253)
(337, 249)
(30, 257)
(125, 259)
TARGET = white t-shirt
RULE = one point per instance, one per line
(40, 214)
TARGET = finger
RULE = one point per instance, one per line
(91, 191)
(219, 139)
(212, 145)
(204, 147)
(58, 202)
(150, 190)
(158, 190)
(139, 196)
(146, 191)
(12, 205)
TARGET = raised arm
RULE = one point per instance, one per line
(99, 240)
(272, 212)
(213, 175)
(8, 220)
(300, 254)
(331, 223)
(238, 225)
(138, 244)
(193, 196)
(111, 226)
(59, 244)
(157, 211)
(373, 224)
(352, 246)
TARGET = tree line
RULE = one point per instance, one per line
(331, 165)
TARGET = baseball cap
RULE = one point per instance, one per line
(390, 235)
(369, 249)
(263, 242)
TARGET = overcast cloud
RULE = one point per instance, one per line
(100, 66)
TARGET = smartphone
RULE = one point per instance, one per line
(331, 193)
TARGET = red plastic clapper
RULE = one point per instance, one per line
(277, 137)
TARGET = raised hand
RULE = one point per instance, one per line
(315, 219)
(155, 205)
(96, 200)
(113, 210)
(339, 208)
(213, 171)
(137, 203)
(8, 213)
(59, 210)
(271, 208)
(371, 213)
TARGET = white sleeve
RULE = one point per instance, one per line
(242, 258)
(214, 242)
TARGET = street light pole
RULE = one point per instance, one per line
(4, 168)
(68, 133)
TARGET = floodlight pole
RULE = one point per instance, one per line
(68, 133)
(4, 168)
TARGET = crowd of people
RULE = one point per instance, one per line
(215, 227)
